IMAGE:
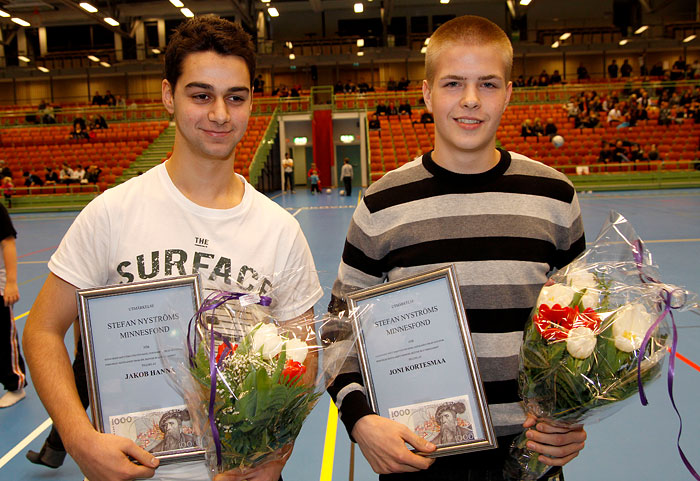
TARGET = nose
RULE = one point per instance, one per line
(219, 112)
(470, 97)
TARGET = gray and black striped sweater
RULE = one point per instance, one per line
(505, 230)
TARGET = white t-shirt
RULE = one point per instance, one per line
(147, 229)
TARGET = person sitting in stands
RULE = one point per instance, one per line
(636, 153)
(555, 78)
(65, 175)
(79, 133)
(653, 152)
(664, 114)
(591, 121)
(32, 180)
(538, 128)
(50, 177)
(374, 123)
(405, 109)
(620, 152)
(93, 174)
(109, 99)
(96, 122)
(426, 118)
(614, 116)
(78, 175)
(381, 108)
(98, 99)
(526, 129)
(606, 153)
(550, 128)
(4, 169)
(79, 121)
(391, 109)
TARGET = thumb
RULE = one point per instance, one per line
(418, 442)
(141, 456)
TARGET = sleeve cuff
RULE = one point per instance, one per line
(354, 407)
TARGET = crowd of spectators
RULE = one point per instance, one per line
(625, 151)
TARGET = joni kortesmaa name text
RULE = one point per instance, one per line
(416, 366)
(143, 321)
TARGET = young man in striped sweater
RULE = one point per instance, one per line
(504, 220)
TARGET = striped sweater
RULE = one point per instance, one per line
(505, 230)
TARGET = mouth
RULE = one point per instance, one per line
(468, 123)
(217, 133)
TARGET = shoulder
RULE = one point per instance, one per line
(268, 212)
(408, 173)
(540, 178)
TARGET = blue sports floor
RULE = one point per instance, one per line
(638, 443)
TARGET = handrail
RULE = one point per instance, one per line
(266, 143)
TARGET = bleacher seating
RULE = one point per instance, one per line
(246, 148)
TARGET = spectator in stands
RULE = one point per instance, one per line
(79, 121)
(363, 86)
(283, 91)
(664, 114)
(391, 84)
(78, 175)
(686, 98)
(65, 175)
(526, 129)
(96, 122)
(338, 87)
(403, 84)
(47, 114)
(612, 69)
(679, 68)
(93, 174)
(519, 82)
(97, 99)
(657, 70)
(625, 69)
(543, 79)
(7, 188)
(391, 109)
(620, 152)
(405, 108)
(109, 99)
(582, 72)
(294, 92)
(374, 122)
(653, 153)
(381, 108)
(50, 177)
(571, 107)
(636, 153)
(550, 128)
(120, 103)
(350, 87)
(605, 154)
(538, 128)
(591, 121)
(555, 78)
(614, 115)
(4, 169)
(427, 118)
(32, 180)
(259, 84)
(79, 133)
(531, 81)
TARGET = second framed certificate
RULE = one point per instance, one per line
(418, 361)
(133, 337)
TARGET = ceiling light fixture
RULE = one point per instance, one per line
(105, 64)
(177, 3)
(689, 38)
(360, 53)
(93, 58)
(525, 2)
(424, 49)
(641, 29)
(360, 42)
(87, 7)
(623, 42)
(156, 51)
(272, 11)
(23, 58)
(565, 36)
(444, 2)
(555, 44)
(111, 21)
(292, 56)
(43, 69)
(187, 12)
(359, 8)
(19, 21)
(3, 13)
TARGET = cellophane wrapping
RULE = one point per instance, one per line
(598, 326)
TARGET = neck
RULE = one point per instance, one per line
(209, 183)
(466, 162)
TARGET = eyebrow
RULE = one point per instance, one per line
(460, 77)
(201, 85)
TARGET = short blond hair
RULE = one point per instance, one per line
(468, 30)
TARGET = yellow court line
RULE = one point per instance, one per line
(329, 444)
(21, 316)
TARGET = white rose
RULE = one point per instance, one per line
(556, 294)
(581, 342)
(581, 279)
(630, 326)
(265, 338)
(296, 350)
(590, 298)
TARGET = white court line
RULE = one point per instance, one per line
(23, 444)
(298, 210)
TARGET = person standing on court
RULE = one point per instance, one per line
(505, 221)
(192, 209)
(288, 166)
(11, 363)
(346, 175)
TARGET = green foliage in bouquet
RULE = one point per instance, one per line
(261, 402)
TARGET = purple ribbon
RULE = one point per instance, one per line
(210, 304)
(667, 301)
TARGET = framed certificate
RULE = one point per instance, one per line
(133, 336)
(418, 361)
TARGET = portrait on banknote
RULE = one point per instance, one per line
(418, 361)
(133, 338)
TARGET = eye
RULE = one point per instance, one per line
(200, 97)
(237, 99)
(490, 85)
(452, 84)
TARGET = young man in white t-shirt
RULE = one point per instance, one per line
(189, 214)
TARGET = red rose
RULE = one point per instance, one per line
(554, 323)
(293, 370)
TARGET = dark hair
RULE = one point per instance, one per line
(203, 34)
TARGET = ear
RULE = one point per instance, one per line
(427, 96)
(509, 92)
(168, 95)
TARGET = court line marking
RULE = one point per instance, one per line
(23, 443)
(33, 279)
(30, 262)
(37, 252)
(329, 443)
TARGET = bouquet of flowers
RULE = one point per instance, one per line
(252, 379)
(596, 336)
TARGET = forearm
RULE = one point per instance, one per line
(52, 376)
(9, 255)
